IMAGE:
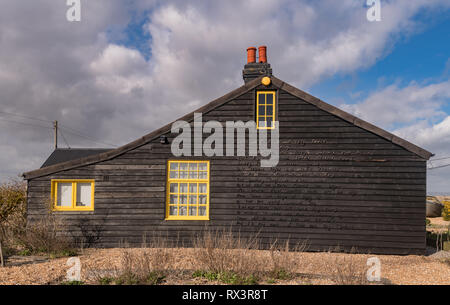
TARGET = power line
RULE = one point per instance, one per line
(66, 128)
(443, 158)
(24, 116)
(64, 138)
(439, 166)
(77, 133)
(23, 123)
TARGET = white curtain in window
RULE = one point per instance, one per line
(84, 191)
(64, 193)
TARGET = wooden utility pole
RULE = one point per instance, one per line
(55, 127)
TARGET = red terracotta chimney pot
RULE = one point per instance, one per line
(262, 54)
(251, 55)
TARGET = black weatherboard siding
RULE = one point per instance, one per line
(339, 182)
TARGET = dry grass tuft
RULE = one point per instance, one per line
(347, 269)
(220, 252)
(148, 266)
(284, 260)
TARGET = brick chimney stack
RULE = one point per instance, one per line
(254, 69)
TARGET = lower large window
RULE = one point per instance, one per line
(188, 190)
(73, 195)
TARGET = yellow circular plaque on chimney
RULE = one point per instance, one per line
(265, 81)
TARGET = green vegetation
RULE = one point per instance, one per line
(22, 238)
(446, 211)
(73, 283)
(226, 277)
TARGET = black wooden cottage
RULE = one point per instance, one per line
(340, 181)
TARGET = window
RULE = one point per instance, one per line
(187, 190)
(73, 195)
(265, 109)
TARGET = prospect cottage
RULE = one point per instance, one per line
(335, 180)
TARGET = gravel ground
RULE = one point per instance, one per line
(439, 222)
(314, 268)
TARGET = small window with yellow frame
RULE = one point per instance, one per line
(265, 109)
(187, 190)
(73, 195)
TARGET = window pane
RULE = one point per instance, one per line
(262, 98)
(193, 175)
(203, 175)
(84, 192)
(203, 166)
(183, 199)
(173, 199)
(202, 188)
(183, 166)
(183, 211)
(269, 110)
(174, 166)
(202, 199)
(261, 110)
(201, 211)
(270, 99)
(64, 192)
(183, 187)
(193, 166)
(184, 175)
(193, 211)
(173, 174)
(193, 188)
(174, 187)
(173, 210)
(192, 199)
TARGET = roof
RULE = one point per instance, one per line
(218, 102)
(61, 155)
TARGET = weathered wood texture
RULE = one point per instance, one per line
(335, 185)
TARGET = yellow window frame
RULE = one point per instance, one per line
(188, 181)
(73, 207)
(266, 105)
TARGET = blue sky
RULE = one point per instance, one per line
(423, 57)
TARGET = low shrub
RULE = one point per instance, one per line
(446, 211)
(12, 213)
(46, 236)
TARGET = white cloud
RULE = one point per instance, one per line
(393, 106)
(435, 138)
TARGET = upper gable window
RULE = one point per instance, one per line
(265, 109)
